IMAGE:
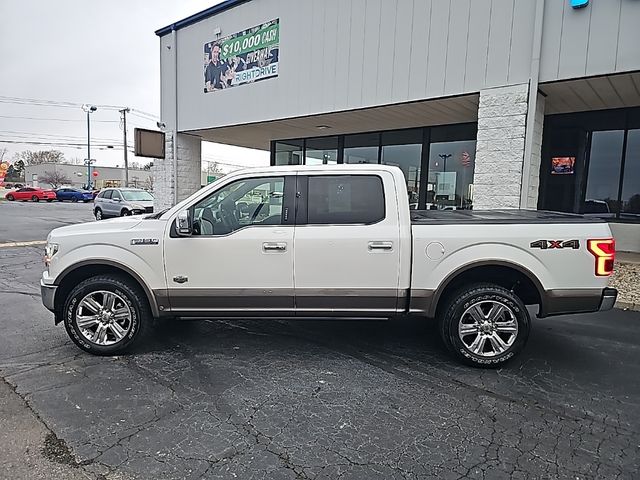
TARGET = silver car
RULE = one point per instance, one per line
(120, 202)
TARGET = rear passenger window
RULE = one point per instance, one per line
(107, 194)
(345, 199)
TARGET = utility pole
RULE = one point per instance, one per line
(89, 109)
(124, 112)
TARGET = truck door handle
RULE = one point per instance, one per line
(274, 247)
(386, 246)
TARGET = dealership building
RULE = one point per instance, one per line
(482, 103)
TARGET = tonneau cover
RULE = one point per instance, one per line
(510, 216)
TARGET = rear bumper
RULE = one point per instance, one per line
(561, 302)
(48, 293)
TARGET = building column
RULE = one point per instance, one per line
(173, 182)
(502, 119)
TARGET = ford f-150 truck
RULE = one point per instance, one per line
(328, 241)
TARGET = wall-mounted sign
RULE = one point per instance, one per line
(148, 143)
(244, 57)
(563, 165)
(579, 3)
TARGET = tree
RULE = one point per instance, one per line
(40, 157)
(3, 152)
(54, 178)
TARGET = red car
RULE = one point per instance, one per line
(31, 193)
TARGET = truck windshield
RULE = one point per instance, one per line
(136, 196)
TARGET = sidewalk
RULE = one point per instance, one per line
(626, 279)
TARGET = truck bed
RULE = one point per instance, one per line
(499, 217)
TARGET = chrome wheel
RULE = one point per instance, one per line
(103, 317)
(488, 328)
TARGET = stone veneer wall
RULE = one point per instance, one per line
(502, 116)
(188, 172)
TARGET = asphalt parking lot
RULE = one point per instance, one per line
(279, 399)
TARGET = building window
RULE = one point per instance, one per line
(404, 149)
(361, 149)
(631, 177)
(451, 167)
(603, 176)
(591, 164)
(289, 153)
(321, 151)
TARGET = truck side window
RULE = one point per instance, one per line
(251, 201)
(345, 199)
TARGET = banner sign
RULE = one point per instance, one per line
(563, 165)
(244, 57)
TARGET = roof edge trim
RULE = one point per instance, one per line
(209, 12)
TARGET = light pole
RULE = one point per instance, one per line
(124, 112)
(89, 109)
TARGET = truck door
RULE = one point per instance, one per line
(346, 251)
(240, 256)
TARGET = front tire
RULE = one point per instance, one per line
(106, 314)
(125, 213)
(11, 198)
(98, 214)
(484, 325)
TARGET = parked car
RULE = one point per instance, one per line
(327, 241)
(31, 193)
(73, 195)
(121, 202)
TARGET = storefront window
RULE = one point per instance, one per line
(450, 183)
(631, 178)
(289, 153)
(321, 151)
(404, 149)
(603, 177)
(361, 148)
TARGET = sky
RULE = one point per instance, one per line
(89, 52)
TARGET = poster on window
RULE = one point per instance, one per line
(244, 57)
(562, 165)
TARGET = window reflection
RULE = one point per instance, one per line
(404, 149)
(321, 151)
(361, 149)
(603, 177)
(289, 153)
(451, 166)
(631, 178)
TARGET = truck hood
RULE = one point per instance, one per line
(120, 224)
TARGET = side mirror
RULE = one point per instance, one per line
(184, 226)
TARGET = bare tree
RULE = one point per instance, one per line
(40, 157)
(55, 178)
(3, 153)
(149, 182)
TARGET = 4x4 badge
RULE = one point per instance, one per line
(555, 244)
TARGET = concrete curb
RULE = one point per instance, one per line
(628, 306)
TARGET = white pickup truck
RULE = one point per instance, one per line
(336, 241)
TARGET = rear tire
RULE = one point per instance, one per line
(100, 327)
(484, 325)
(98, 214)
(35, 198)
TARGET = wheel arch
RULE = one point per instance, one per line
(80, 271)
(507, 274)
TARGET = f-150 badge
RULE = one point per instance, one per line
(144, 241)
(556, 244)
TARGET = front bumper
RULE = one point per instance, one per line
(609, 297)
(48, 295)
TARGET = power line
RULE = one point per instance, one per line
(19, 117)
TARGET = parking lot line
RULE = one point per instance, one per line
(22, 244)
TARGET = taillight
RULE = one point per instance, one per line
(605, 252)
